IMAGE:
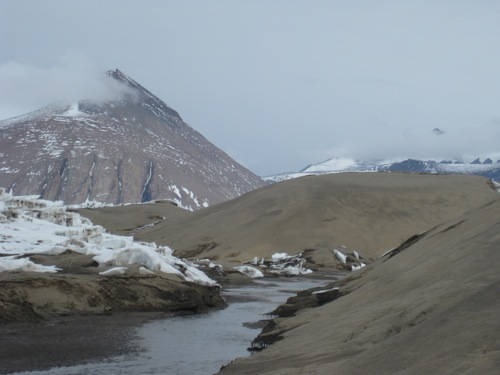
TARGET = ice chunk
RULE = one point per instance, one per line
(354, 267)
(195, 275)
(249, 271)
(24, 264)
(278, 257)
(284, 264)
(114, 271)
(340, 256)
(145, 271)
(295, 271)
(325, 291)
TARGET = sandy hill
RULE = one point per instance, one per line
(433, 308)
(367, 212)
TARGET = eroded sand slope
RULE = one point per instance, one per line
(432, 308)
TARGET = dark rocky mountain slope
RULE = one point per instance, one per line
(131, 149)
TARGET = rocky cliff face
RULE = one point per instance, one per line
(131, 149)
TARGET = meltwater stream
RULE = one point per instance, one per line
(198, 344)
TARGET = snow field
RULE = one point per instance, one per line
(29, 225)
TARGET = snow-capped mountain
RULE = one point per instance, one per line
(487, 168)
(133, 148)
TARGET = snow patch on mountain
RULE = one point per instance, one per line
(331, 165)
(74, 111)
(487, 168)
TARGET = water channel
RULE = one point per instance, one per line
(197, 344)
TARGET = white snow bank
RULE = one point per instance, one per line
(33, 226)
(24, 264)
(114, 271)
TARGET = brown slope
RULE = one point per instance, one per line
(126, 219)
(367, 212)
(131, 149)
(431, 309)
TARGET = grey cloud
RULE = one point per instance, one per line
(27, 87)
(281, 84)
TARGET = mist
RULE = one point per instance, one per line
(27, 87)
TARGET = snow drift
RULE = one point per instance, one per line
(30, 226)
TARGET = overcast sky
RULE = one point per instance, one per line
(277, 84)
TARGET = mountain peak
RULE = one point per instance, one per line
(121, 77)
(116, 73)
(145, 97)
(133, 148)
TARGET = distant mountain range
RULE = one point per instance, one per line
(486, 168)
(127, 150)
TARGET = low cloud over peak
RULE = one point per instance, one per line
(27, 87)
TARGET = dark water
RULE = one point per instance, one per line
(198, 344)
